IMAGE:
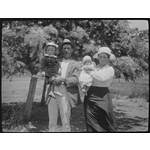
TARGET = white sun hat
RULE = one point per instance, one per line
(107, 51)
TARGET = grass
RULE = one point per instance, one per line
(14, 96)
(138, 89)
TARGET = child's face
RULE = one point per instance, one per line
(51, 50)
(87, 62)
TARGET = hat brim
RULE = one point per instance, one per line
(112, 56)
(72, 44)
(45, 49)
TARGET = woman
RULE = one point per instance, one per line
(98, 103)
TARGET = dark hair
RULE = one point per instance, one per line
(108, 55)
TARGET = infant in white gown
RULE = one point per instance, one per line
(85, 79)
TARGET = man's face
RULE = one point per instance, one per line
(67, 51)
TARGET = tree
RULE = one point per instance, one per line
(22, 50)
(23, 42)
(88, 35)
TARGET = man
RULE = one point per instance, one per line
(69, 83)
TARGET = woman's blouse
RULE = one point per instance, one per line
(102, 77)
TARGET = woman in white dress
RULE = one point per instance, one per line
(98, 106)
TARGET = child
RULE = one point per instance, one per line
(85, 79)
(50, 67)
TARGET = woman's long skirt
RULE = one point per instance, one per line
(97, 110)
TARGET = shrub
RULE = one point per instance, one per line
(12, 115)
(138, 93)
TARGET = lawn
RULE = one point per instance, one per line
(131, 105)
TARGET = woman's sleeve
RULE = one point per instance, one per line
(103, 75)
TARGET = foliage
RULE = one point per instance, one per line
(23, 48)
(126, 67)
(23, 42)
(12, 115)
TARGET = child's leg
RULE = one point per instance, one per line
(56, 90)
(84, 87)
(53, 115)
(87, 88)
(51, 93)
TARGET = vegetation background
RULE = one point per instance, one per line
(22, 48)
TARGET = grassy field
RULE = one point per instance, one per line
(131, 105)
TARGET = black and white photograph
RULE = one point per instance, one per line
(75, 75)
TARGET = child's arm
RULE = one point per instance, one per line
(89, 68)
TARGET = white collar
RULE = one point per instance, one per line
(50, 55)
(106, 66)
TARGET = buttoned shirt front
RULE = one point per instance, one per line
(64, 66)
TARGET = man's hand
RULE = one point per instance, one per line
(89, 71)
(58, 80)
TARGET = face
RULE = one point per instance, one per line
(103, 59)
(87, 62)
(51, 50)
(67, 51)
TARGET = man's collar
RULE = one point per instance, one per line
(66, 60)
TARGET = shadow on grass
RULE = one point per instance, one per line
(39, 119)
(12, 117)
(127, 124)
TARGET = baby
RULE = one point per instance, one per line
(51, 67)
(85, 79)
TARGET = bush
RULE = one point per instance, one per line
(137, 93)
(12, 115)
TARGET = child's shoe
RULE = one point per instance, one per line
(58, 93)
(51, 94)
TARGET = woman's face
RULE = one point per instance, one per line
(103, 59)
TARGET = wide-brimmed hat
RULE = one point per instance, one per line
(50, 44)
(107, 51)
(67, 41)
(86, 58)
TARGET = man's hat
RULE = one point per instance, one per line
(50, 44)
(67, 41)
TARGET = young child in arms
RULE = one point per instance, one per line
(85, 79)
(51, 67)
